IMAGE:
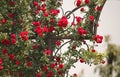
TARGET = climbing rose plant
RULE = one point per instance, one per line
(32, 34)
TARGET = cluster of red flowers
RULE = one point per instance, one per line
(81, 31)
(63, 22)
(79, 2)
(24, 35)
(17, 33)
(78, 19)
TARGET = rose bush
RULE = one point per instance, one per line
(32, 35)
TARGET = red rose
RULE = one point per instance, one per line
(35, 3)
(1, 67)
(52, 65)
(61, 66)
(78, 19)
(98, 38)
(11, 15)
(5, 42)
(93, 50)
(57, 59)
(13, 36)
(34, 47)
(91, 18)
(51, 29)
(82, 9)
(99, 8)
(38, 74)
(39, 31)
(18, 63)
(54, 12)
(46, 14)
(78, 3)
(28, 64)
(24, 35)
(36, 23)
(45, 29)
(63, 22)
(13, 41)
(87, 1)
(4, 50)
(3, 21)
(82, 60)
(48, 52)
(58, 43)
(81, 31)
(12, 56)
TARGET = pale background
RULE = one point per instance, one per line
(109, 25)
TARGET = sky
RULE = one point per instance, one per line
(109, 24)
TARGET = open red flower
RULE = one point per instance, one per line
(3, 21)
(78, 19)
(99, 8)
(35, 3)
(82, 9)
(61, 66)
(12, 56)
(39, 31)
(1, 67)
(35, 47)
(54, 12)
(24, 35)
(98, 38)
(87, 1)
(91, 18)
(18, 63)
(48, 52)
(5, 42)
(81, 31)
(28, 64)
(58, 43)
(63, 22)
(13, 41)
(13, 36)
(52, 65)
(36, 23)
(78, 3)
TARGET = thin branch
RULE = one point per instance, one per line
(74, 10)
(61, 47)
